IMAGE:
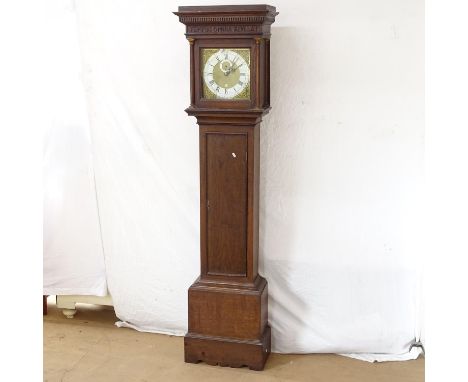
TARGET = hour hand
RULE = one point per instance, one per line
(231, 69)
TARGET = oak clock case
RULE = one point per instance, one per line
(229, 94)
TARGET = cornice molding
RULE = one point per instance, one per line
(252, 19)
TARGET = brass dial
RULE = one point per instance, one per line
(226, 73)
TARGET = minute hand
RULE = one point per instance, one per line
(233, 68)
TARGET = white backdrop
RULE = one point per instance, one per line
(341, 169)
(73, 253)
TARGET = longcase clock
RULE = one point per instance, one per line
(229, 94)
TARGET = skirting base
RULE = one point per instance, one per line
(228, 351)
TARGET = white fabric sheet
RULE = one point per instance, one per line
(73, 254)
(341, 170)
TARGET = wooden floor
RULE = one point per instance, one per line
(90, 348)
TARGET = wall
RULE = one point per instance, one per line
(342, 153)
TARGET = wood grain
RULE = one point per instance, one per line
(226, 203)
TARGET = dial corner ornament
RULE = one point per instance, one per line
(226, 73)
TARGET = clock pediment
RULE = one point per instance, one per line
(227, 20)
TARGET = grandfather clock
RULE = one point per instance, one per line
(229, 94)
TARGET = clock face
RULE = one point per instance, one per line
(226, 73)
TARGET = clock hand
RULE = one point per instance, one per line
(234, 68)
(231, 69)
(226, 71)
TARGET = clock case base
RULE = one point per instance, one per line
(228, 325)
(228, 352)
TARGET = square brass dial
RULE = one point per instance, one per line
(225, 73)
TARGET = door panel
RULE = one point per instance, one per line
(226, 187)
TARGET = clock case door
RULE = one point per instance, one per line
(229, 169)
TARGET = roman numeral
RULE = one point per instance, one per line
(212, 82)
(241, 83)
